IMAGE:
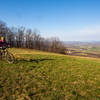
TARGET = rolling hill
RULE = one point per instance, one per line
(38, 75)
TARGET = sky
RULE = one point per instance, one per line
(70, 20)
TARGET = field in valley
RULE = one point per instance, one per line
(86, 49)
(39, 75)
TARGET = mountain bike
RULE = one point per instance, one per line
(6, 55)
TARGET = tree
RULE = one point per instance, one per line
(3, 29)
(21, 38)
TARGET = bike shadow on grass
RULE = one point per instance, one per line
(33, 60)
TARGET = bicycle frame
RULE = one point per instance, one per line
(7, 56)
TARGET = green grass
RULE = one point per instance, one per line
(46, 76)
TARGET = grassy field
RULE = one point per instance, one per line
(47, 76)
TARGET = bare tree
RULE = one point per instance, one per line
(21, 38)
(3, 29)
(28, 38)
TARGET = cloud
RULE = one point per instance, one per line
(94, 30)
(89, 33)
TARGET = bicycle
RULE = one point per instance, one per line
(5, 54)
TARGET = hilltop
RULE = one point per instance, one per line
(48, 76)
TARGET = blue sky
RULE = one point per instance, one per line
(70, 20)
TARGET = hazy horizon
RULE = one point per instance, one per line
(70, 20)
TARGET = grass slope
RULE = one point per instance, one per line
(46, 76)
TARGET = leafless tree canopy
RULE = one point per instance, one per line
(26, 38)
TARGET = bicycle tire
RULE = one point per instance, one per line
(10, 58)
(0, 56)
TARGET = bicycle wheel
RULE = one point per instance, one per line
(0, 56)
(10, 58)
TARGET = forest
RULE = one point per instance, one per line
(27, 38)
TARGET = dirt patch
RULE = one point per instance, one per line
(85, 54)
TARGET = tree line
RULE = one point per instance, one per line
(26, 38)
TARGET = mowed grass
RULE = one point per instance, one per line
(47, 76)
